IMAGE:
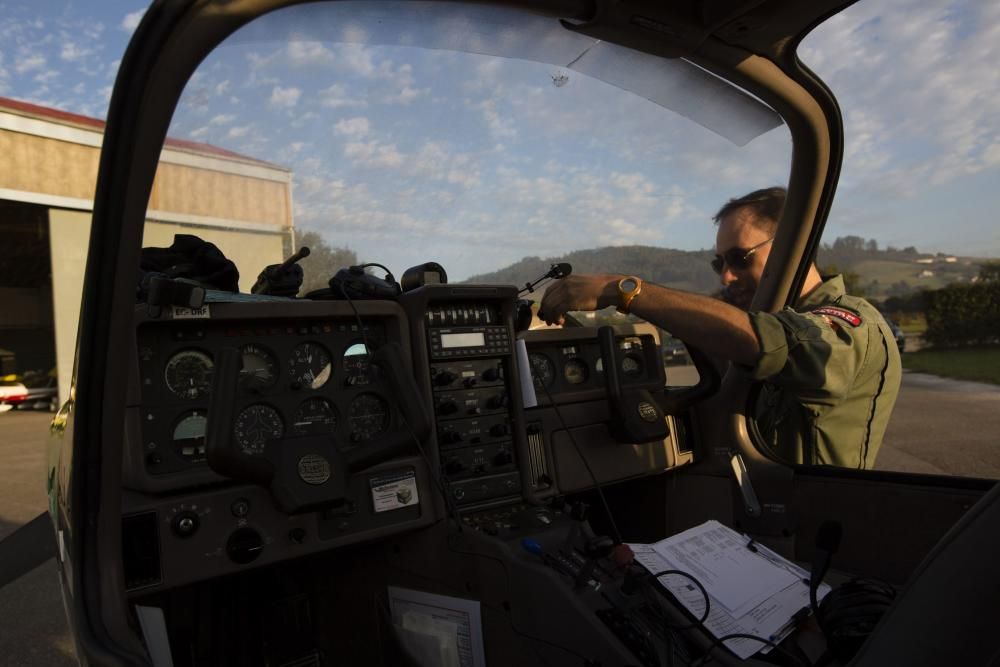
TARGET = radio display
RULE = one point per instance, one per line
(463, 340)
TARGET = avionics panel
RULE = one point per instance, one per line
(305, 371)
(467, 338)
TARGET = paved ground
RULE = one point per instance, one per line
(939, 426)
(32, 623)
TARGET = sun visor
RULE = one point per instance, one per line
(674, 84)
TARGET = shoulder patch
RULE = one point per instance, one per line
(848, 316)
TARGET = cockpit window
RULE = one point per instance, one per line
(487, 147)
(490, 141)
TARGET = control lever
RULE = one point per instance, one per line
(283, 279)
(636, 417)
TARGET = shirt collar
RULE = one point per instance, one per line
(829, 290)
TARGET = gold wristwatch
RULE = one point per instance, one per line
(628, 288)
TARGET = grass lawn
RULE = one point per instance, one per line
(978, 364)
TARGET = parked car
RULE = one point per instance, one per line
(33, 391)
(675, 352)
(898, 334)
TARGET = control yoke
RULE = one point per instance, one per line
(635, 415)
(309, 472)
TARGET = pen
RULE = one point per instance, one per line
(792, 622)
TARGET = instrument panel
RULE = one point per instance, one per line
(304, 376)
(562, 370)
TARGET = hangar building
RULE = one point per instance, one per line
(48, 172)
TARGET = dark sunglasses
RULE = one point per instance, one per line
(736, 258)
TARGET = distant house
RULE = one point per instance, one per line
(926, 273)
(951, 259)
(924, 260)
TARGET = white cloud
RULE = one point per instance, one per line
(285, 98)
(238, 132)
(222, 119)
(500, 127)
(373, 154)
(308, 53)
(46, 77)
(918, 84)
(336, 97)
(29, 62)
(73, 52)
(352, 127)
(131, 21)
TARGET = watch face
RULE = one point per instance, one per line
(627, 284)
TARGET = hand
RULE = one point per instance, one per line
(578, 292)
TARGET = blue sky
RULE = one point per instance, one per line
(408, 155)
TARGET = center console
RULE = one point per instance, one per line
(466, 342)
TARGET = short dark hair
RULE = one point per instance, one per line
(766, 205)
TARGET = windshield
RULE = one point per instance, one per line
(373, 141)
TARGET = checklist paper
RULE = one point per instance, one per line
(751, 592)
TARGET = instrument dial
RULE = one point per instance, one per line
(310, 365)
(368, 416)
(575, 371)
(189, 435)
(357, 365)
(189, 374)
(260, 368)
(255, 425)
(543, 371)
(314, 417)
(631, 365)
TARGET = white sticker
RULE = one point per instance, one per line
(394, 491)
(182, 313)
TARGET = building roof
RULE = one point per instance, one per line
(87, 122)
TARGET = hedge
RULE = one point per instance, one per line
(960, 315)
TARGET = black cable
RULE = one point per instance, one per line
(448, 500)
(708, 605)
(597, 484)
(503, 565)
(388, 274)
(742, 635)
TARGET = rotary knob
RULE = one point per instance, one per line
(185, 524)
(447, 406)
(444, 378)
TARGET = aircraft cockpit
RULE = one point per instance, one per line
(276, 453)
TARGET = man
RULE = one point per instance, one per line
(830, 366)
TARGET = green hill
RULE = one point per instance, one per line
(872, 272)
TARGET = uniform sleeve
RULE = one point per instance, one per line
(814, 356)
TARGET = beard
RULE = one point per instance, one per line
(739, 295)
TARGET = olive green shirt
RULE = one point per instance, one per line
(831, 373)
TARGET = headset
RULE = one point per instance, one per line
(353, 283)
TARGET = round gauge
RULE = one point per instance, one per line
(189, 374)
(189, 434)
(357, 365)
(315, 416)
(631, 365)
(543, 372)
(255, 425)
(260, 368)
(310, 365)
(369, 416)
(575, 371)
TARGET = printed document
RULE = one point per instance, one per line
(751, 591)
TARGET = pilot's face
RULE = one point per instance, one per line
(741, 273)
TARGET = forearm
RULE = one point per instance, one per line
(720, 330)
